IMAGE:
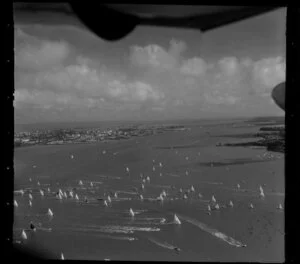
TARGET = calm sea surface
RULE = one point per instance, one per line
(174, 162)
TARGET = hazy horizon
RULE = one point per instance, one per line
(66, 74)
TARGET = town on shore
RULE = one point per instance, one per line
(88, 135)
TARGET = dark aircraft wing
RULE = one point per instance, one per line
(115, 21)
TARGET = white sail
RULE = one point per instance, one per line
(131, 212)
(213, 199)
(50, 213)
(176, 220)
(24, 235)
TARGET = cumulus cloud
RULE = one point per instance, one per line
(156, 56)
(33, 53)
(195, 66)
(152, 55)
(163, 81)
(50, 84)
(268, 72)
(229, 65)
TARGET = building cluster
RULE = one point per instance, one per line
(88, 135)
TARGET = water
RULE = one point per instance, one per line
(91, 230)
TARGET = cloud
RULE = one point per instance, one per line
(195, 81)
(156, 56)
(244, 78)
(51, 76)
(268, 72)
(33, 53)
(221, 99)
(195, 66)
(82, 84)
(229, 65)
(134, 91)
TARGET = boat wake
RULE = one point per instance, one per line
(114, 229)
(165, 245)
(231, 241)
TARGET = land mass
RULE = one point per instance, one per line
(270, 137)
(88, 135)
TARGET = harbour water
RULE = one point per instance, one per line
(85, 228)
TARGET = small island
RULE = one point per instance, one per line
(270, 136)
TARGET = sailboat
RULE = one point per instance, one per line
(176, 220)
(131, 212)
(50, 213)
(213, 199)
(24, 235)
(261, 192)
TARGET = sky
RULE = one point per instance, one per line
(67, 74)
